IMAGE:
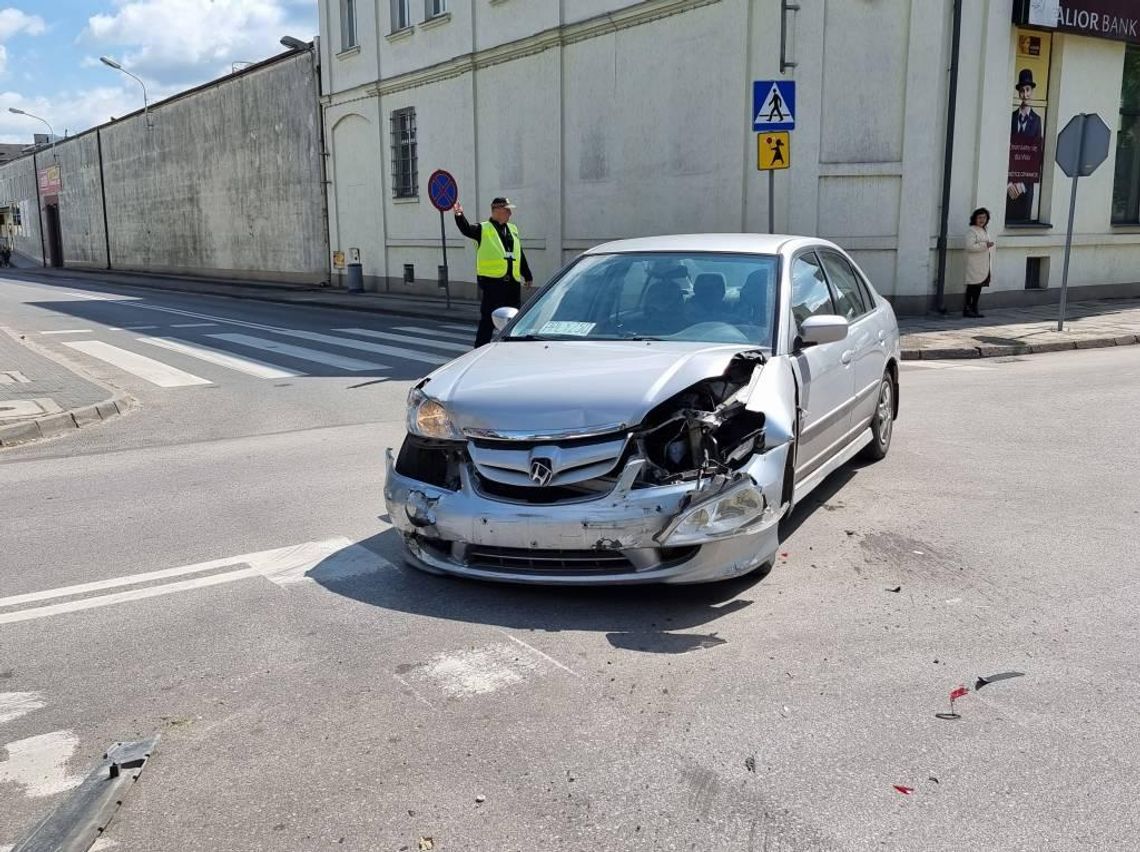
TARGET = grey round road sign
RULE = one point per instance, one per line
(1083, 145)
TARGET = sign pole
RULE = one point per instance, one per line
(443, 245)
(771, 201)
(1069, 232)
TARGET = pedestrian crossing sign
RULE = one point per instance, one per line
(773, 105)
(773, 151)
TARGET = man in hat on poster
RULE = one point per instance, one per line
(500, 265)
(1026, 133)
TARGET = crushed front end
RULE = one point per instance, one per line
(692, 494)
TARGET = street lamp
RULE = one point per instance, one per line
(295, 43)
(51, 133)
(111, 63)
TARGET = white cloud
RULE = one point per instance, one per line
(13, 21)
(186, 42)
(68, 112)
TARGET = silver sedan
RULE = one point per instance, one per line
(649, 416)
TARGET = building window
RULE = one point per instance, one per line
(1126, 189)
(434, 8)
(401, 15)
(404, 153)
(347, 24)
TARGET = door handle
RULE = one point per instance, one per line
(882, 336)
(847, 355)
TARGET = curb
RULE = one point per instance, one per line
(54, 425)
(988, 351)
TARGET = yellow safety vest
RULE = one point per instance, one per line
(491, 260)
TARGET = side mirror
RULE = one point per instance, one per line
(501, 316)
(829, 328)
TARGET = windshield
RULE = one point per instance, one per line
(713, 298)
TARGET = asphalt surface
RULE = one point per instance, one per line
(376, 707)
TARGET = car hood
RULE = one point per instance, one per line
(560, 387)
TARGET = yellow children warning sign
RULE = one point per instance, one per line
(773, 150)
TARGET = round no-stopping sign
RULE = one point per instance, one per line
(442, 190)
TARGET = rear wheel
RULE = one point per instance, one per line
(882, 425)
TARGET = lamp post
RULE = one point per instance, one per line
(111, 63)
(51, 133)
(295, 43)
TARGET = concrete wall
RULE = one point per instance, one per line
(605, 119)
(18, 189)
(226, 181)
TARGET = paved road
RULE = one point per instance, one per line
(374, 706)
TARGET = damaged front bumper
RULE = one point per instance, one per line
(630, 535)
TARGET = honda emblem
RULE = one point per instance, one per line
(541, 472)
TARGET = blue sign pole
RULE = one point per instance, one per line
(443, 192)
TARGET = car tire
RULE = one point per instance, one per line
(882, 424)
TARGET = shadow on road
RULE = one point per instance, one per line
(635, 617)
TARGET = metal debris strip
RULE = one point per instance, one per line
(994, 678)
(80, 819)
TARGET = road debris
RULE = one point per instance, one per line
(750, 763)
(426, 844)
(932, 778)
(988, 679)
(480, 799)
(896, 589)
(906, 791)
(955, 694)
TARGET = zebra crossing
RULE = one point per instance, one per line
(190, 354)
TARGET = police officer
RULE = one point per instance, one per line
(500, 265)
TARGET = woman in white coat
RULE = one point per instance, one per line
(979, 260)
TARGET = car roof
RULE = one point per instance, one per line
(728, 243)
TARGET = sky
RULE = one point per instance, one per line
(50, 49)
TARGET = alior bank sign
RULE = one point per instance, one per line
(1112, 19)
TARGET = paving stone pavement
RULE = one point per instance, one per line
(41, 398)
(1013, 331)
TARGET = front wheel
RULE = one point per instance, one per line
(882, 425)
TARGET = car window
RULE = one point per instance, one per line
(810, 294)
(696, 296)
(848, 296)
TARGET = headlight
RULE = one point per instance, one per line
(428, 418)
(721, 516)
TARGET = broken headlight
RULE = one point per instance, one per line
(722, 515)
(428, 418)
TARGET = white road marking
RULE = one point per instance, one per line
(39, 764)
(139, 327)
(401, 338)
(546, 657)
(14, 377)
(193, 324)
(327, 560)
(348, 343)
(13, 705)
(68, 331)
(145, 368)
(103, 843)
(316, 337)
(223, 359)
(412, 690)
(459, 327)
(302, 353)
(450, 335)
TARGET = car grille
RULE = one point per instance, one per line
(569, 463)
(524, 560)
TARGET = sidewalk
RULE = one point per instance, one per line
(1005, 331)
(40, 398)
(1017, 331)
